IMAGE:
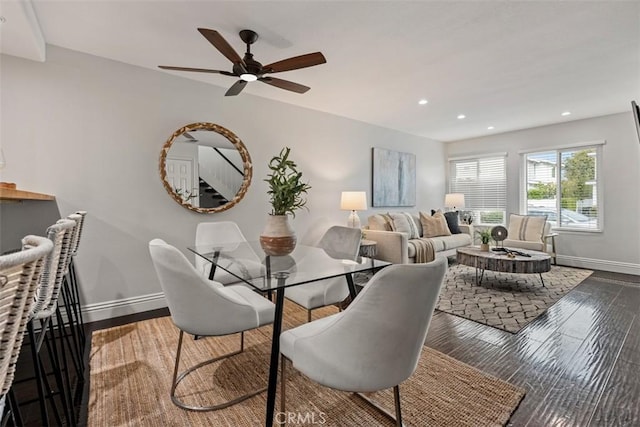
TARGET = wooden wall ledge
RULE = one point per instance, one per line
(8, 191)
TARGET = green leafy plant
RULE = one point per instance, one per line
(287, 192)
(184, 195)
(485, 235)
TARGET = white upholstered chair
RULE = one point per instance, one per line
(528, 232)
(376, 342)
(19, 276)
(203, 307)
(340, 243)
(225, 233)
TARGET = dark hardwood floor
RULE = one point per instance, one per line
(579, 362)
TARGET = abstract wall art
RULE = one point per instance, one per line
(394, 178)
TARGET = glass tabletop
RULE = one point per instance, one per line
(247, 262)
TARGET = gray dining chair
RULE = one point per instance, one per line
(376, 342)
(340, 243)
(224, 233)
(203, 307)
(315, 231)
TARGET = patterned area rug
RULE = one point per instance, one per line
(131, 368)
(504, 300)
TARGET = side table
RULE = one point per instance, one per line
(553, 253)
(368, 248)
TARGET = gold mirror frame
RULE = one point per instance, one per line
(237, 143)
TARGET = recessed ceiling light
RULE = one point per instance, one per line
(3, 19)
(490, 128)
(461, 116)
(423, 101)
(566, 113)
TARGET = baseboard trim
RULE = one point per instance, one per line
(599, 264)
(142, 303)
(123, 307)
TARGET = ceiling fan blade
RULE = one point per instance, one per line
(302, 61)
(197, 70)
(284, 84)
(222, 45)
(236, 88)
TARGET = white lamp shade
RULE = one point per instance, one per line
(353, 201)
(454, 200)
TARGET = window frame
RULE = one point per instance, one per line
(559, 150)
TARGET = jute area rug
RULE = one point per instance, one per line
(132, 365)
(504, 300)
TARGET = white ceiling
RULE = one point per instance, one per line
(511, 65)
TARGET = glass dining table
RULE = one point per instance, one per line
(247, 262)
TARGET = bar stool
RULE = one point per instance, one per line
(19, 276)
(71, 294)
(73, 328)
(73, 280)
(44, 308)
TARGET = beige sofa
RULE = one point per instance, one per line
(393, 246)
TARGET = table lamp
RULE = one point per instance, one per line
(454, 201)
(353, 201)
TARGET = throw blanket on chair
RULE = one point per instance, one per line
(424, 250)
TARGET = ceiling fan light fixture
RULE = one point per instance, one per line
(250, 70)
(248, 77)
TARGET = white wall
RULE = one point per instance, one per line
(617, 247)
(90, 130)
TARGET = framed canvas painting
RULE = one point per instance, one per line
(394, 178)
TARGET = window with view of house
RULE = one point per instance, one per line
(564, 186)
(483, 181)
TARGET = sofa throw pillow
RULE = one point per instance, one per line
(388, 221)
(434, 226)
(403, 223)
(380, 222)
(375, 222)
(526, 227)
(416, 220)
(452, 222)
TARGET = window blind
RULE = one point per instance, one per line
(483, 181)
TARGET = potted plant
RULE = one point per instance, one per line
(287, 193)
(485, 238)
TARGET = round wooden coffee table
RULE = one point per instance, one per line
(472, 256)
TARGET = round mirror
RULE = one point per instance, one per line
(205, 167)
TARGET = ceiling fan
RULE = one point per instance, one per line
(248, 69)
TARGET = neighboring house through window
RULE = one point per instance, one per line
(564, 185)
(483, 181)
